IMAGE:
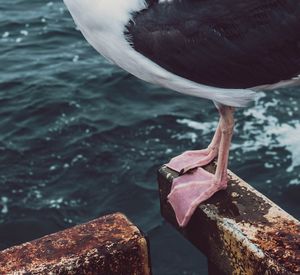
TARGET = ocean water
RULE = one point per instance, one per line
(81, 138)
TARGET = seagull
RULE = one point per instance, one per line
(221, 50)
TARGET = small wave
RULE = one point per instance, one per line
(205, 127)
(288, 136)
(5, 34)
(263, 129)
(4, 205)
(188, 135)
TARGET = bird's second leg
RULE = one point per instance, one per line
(190, 189)
(192, 159)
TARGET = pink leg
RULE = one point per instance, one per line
(192, 159)
(190, 189)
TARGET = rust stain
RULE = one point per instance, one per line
(281, 242)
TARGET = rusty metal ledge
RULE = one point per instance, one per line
(108, 245)
(239, 229)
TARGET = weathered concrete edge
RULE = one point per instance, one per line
(234, 244)
(108, 245)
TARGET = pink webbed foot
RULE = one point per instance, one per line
(192, 159)
(189, 190)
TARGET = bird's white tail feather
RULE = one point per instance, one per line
(282, 84)
(229, 97)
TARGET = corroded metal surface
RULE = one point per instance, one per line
(239, 229)
(108, 245)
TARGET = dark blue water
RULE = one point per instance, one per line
(81, 138)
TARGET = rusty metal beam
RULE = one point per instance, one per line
(239, 229)
(108, 245)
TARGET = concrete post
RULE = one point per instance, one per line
(109, 245)
(239, 229)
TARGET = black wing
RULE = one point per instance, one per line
(221, 43)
